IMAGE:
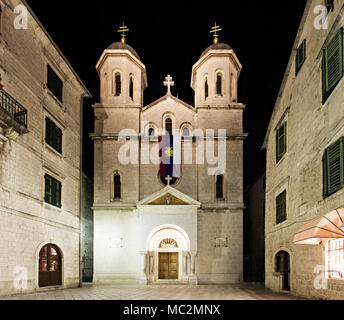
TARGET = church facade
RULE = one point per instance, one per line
(185, 230)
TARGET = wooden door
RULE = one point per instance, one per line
(168, 265)
(50, 267)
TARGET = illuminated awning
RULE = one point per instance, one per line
(329, 226)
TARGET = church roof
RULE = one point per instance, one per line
(218, 46)
(123, 46)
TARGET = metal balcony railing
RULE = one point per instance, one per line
(13, 108)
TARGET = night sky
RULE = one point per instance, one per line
(170, 37)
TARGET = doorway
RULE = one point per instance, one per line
(168, 265)
(50, 266)
(283, 267)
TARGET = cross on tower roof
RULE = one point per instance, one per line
(168, 83)
(123, 29)
(215, 30)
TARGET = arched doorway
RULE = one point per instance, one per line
(50, 266)
(283, 267)
(168, 249)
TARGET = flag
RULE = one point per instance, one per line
(170, 151)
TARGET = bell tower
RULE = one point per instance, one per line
(215, 75)
(122, 75)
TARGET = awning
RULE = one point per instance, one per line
(329, 226)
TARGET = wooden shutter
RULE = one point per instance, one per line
(281, 207)
(333, 63)
(54, 83)
(281, 141)
(334, 168)
(47, 189)
(300, 56)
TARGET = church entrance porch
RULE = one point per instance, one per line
(168, 257)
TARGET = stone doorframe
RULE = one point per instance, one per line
(186, 258)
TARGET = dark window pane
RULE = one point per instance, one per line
(219, 85)
(131, 89)
(117, 186)
(219, 187)
(54, 83)
(168, 125)
(118, 84)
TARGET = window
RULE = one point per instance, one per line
(219, 187)
(334, 259)
(131, 89)
(168, 126)
(54, 83)
(53, 135)
(333, 168)
(186, 132)
(206, 90)
(167, 181)
(332, 64)
(117, 186)
(151, 132)
(300, 56)
(329, 4)
(53, 188)
(219, 85)
(281, 207)
(117, 84)
(281, 141)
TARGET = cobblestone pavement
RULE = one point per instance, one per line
(157, 292)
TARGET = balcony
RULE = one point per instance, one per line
(12, 113)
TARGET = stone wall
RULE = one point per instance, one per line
(312, 126)
(27, 222)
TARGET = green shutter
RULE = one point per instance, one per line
(334, 167)
(53, 189)
(300, 56)
(53, 135)
(54, 83)
(281, 141)
(333, 63)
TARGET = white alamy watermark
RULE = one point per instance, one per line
(321, 20)
(210, 148)
(21, 20)
(21, 277)
(320, 281)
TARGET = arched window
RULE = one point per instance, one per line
(131, 89)
(206, 90)
(186, 132)
(50, 266)
(168, 125)
(117, 84)
(151, 132)
(117, 186)
(219, 187)
(219, 84)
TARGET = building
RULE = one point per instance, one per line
(41, 100)
(87, 228)
(304, 170)
(148, 229)
(254, 231)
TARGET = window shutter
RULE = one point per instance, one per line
(54, 83)
(300, 56)
(47, 189)
(334, 170)
(333, 63)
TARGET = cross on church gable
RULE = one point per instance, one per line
(168, 83)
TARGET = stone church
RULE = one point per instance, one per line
(188, 229)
